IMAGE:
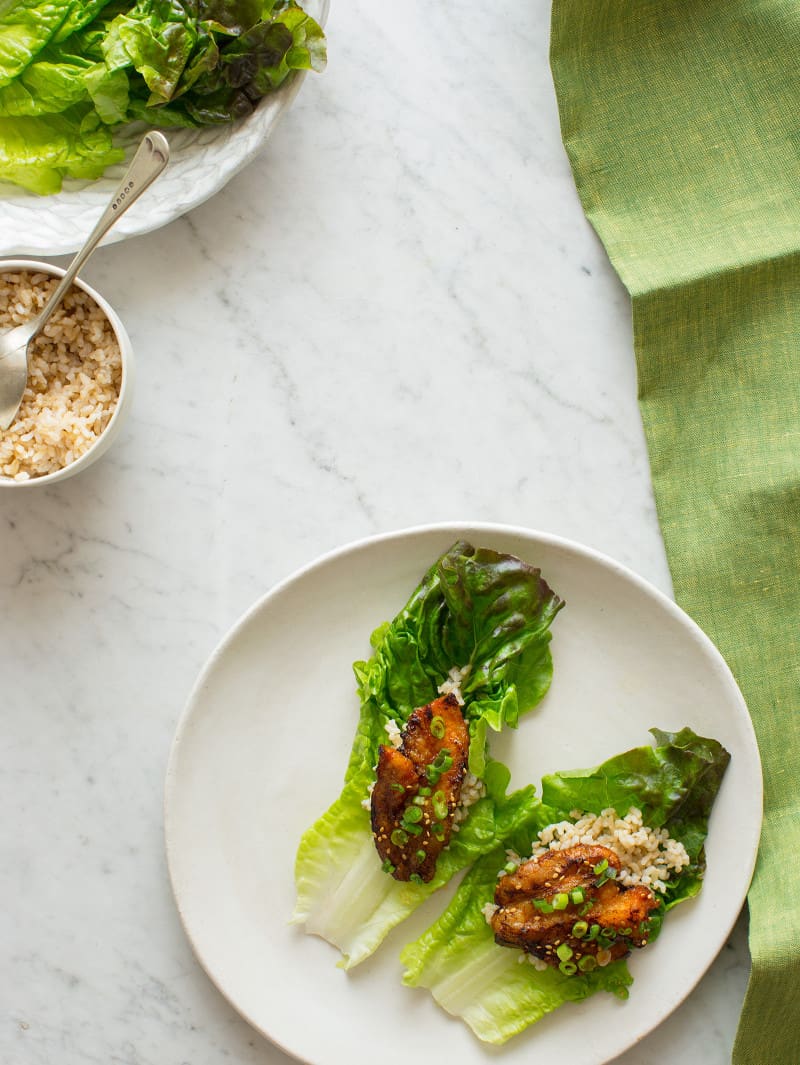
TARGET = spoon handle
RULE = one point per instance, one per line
(151, 157)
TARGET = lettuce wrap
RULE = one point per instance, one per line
(674, 784)
(488, 615)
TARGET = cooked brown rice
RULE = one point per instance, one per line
(648, 855)
(74, 378)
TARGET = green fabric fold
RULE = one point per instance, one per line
(681, 119)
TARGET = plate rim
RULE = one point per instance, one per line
(458, 528)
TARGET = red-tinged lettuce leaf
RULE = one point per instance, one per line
(674, 784)
(478, 609)
(469, 975)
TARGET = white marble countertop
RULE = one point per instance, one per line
(398, 314)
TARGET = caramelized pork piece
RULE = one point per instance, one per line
(417, 790)
(567, 909)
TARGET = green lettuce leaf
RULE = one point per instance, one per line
(344, 895)
(473, 978)
(25, 28)
(674, 785)
(469, 975)
(485, 613)
(38, 153)
(474, 609)
(169, 63)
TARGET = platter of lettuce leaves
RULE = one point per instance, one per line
(268, 795)
(79, 81)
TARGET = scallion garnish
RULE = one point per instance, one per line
(587, 963)
(412, 814)
(564, 951)
(579, 929)
(437, 727)
(388, 867)
(601, 866)
(399, 837)
(420, 855)
(439, 803)
(561, 901)
(568, 968)
(576, 896)
(415, 878)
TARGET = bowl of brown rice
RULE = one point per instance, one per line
(80, 369)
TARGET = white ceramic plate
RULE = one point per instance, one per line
(202, 161)
(261, 751)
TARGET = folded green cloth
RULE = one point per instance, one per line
(682, 122)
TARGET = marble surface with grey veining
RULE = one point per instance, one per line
(398, 314)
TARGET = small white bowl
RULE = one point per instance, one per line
(111, 431)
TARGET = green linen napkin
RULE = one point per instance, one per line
(682, 122)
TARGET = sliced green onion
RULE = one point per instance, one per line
(568, 968)
(432, 773)
(425, 791)
(399, 837)
(601, 866)
(579, 929)
(415, 878)
(397, 787)
(412, 829)
(576, 896)
(412, 814)
(585, 909)
(625, 931)
(609, 933)
(437, 727)
(388, 867)
(587, 963)
(611, 874)
(420, 856)
(594, 931)
(561, 901)
(510, 867)
(564, 951)
(438, 829)
(439, 803)
(418, 800)
(543, 906)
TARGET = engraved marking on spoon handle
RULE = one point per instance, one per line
(151, 157)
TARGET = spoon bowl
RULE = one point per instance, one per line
(149, 161)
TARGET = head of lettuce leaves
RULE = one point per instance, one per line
(674, 784)
(488, 615)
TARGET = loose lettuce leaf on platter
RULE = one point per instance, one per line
(674, 785)
(81, 15)
(26, 26)
(473, 608)
(37, 153)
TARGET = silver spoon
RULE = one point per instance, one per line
(151, 157)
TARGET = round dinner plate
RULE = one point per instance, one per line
(262, 748)
(202, 161)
